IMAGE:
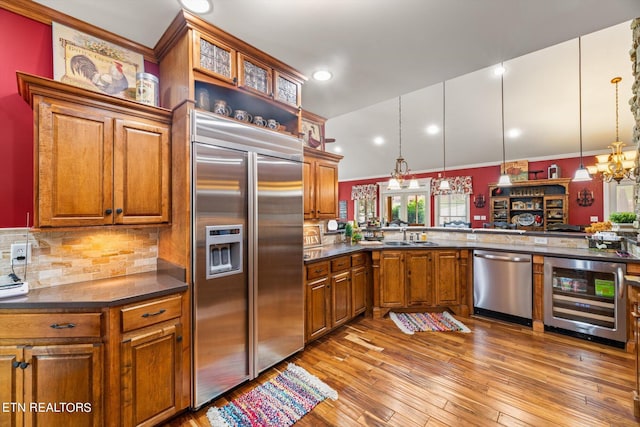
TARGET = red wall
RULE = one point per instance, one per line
(484, 176)
(26, 46)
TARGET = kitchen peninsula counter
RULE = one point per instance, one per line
(109, 292)
(330, 251)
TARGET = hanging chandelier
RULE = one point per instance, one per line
(401, 170)
(619, 164)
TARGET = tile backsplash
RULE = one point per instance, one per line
(61, 257)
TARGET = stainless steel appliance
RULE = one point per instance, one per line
(502, 285)
(585, 298)
(247, 245)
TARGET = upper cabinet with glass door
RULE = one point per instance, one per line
(199, 61)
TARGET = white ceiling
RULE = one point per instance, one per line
(378, 50)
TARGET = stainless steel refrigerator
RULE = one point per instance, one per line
(248, 255)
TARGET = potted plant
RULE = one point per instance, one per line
(348, 232)
(622, 221)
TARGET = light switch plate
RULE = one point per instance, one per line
(471, 236)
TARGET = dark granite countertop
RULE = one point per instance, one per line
(330, 251)
(98, 293)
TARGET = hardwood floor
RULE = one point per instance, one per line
(497, 375)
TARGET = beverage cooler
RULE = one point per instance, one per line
(585, 298)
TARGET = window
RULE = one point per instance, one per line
(410, 206)
(451, 207)
(365, 209)
(618, 197)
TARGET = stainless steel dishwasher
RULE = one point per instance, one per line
(502, 286)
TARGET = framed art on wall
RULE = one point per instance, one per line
(88, 62)
(312, 134)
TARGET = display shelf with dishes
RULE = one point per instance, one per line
(531, 205)
(245, 109)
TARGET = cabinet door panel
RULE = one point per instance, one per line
(214, 58)
(341, 298)
(64, 373)
(309, 189)
(358, 290)
(11, 389)
(392, 287)
(74, 166)
(327, 190)
(286, 89)
(446, 273)
(419, 270)
(151, 373)
(318, 312)
(254, 76)
(142, 171)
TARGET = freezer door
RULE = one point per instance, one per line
(279, 325)
(220, 304)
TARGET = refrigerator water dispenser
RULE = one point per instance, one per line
(224, 250)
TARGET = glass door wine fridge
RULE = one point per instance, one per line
(585, 298)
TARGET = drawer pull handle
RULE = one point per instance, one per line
(162, 310)
(23, 365)
(319, 270)
(63, 326)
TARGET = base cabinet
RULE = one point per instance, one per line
(53, 374)
(421, 279)
(335, 292)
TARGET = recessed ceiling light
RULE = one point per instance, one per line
(378, 140)
(322, 75)
(433, 129)
(499, 70)
(197, 6)
(514, 133)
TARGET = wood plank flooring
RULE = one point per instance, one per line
(497, 375)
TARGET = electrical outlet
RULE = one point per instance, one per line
(476, 217)
(539, 240)
(593, 219)
(20, 254)
(483, 217)
(471, 236)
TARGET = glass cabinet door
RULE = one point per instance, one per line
(286, 89)
(214, 58)
(254, 76)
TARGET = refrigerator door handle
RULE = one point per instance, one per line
(252, 254)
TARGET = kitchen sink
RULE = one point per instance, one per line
(414, 243)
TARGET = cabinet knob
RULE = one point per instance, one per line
(235, 80)
(108, 212)
(15, 364)
(23, 365)
(119, 210)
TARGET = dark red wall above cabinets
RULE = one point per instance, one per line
(26, 46)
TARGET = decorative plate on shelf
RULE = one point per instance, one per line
(514, 219)
(526, 219)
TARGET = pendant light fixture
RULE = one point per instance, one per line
(444, 182)
(401, 170)
(619, 164)
(582, 174)
(504, 180)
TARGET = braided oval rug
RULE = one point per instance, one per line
(410, 323)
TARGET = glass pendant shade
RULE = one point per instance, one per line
(581, 174)
(504, 181)
(444, 185)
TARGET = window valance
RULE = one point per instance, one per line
(366, 191)
(458, 184)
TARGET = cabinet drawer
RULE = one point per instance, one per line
(317, 269)
(341, 263)
(357, 259)
(151, 312)
(50, 325)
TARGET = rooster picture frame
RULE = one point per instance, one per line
(82, 60)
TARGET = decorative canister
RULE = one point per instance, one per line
(147, 89)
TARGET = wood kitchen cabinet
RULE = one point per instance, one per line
(320, 177)
(120, 365)
(99, 160)
(421, 279)
(47, 358)
(151, 361)
(335, 292)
